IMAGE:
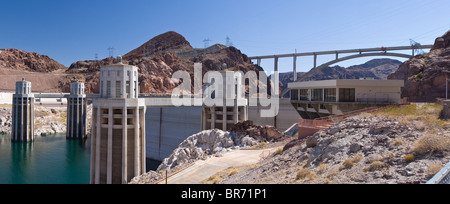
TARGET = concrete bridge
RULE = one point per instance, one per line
(367, 52)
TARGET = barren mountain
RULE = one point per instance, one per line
(27, 61)
(425, 75)
(45, 73)
(163, 55)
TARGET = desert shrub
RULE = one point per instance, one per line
(311, 142)
(214, 180)
(431, 144)
(347, 164)
(323, 167)
(397, 142)
(233, 172)
(376, 166)
(409, 158)
(303, 174)
(279, 151)
(433, 169)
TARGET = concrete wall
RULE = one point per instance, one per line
(6, 98)
(378, 94)
(167, 129)
(285, 119)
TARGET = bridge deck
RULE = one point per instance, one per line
(379, 49)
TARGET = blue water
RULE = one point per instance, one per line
(47, 160)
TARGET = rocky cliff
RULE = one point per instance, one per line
(425, 75)
(28, 61)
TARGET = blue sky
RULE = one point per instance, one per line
(72, 30)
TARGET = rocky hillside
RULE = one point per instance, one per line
(425, 75)
(45, 74)
(163, 55)
(20, 60)
(396, 145)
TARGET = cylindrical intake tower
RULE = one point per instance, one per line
(23, 113)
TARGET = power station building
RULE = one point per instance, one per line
(314, 99)
(118, 128)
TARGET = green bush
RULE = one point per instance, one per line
(409, 158)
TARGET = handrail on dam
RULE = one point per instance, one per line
(443, 177)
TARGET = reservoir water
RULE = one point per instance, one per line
(47, 160)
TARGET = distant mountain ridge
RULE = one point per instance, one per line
(162, 56)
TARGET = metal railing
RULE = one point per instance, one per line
(443, 177)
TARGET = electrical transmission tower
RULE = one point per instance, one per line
(228, 42)
(417, 47)
(111, 51)
(206, 41)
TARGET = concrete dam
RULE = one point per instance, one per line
(128, 128)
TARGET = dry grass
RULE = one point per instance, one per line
(434, 168)
(347, 164)
(233, 171)
(431, 144)
(407, 114)
(376, 166)
(279, 151)
(323, 168)
(305, 174)
(213, 180)
(350, 162)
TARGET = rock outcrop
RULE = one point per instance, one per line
(205, 144)
(263, 134)
(215, 142)
(425, 75)
(28, 61)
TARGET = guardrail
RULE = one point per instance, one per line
(443, 177)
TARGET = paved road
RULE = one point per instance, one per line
(202, 170)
